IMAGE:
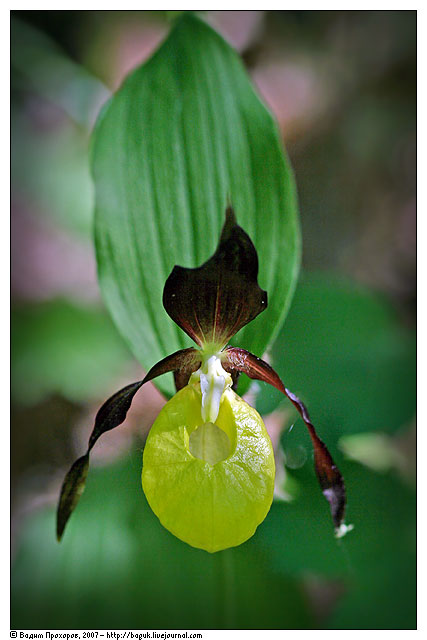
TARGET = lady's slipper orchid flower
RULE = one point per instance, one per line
(208, 465)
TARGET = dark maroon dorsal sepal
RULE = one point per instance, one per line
(212, 302)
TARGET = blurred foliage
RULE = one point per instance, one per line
(121, 567)
(377, 451)
(50, 167)
(40, 65)
(376, 562)
(345, 351)
(63, 348)
(342, 85)
(118, 566)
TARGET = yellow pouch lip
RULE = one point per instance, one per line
(211, 507)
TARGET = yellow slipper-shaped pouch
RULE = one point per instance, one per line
(208, 467)
(210, 484)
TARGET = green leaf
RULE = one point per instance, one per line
(58, 347)
(185, 133)
(345, 352)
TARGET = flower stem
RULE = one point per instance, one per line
(227, 590)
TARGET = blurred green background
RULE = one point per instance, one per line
(342, 86)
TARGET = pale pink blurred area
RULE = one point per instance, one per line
(134, 43)
(275, 423)
(239, 28)
(48, 262)
(294, 91)
(296, 88)
(127, 39)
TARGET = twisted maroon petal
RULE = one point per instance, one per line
(330, 479)
(114, 410)
(112, 413)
